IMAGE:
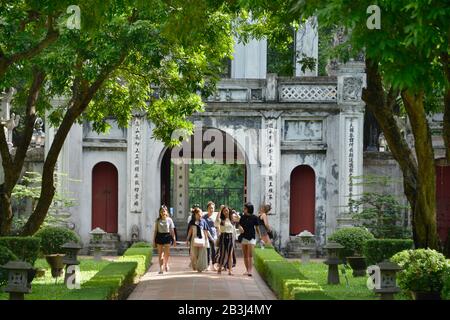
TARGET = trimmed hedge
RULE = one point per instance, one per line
(114, 281)
(52, 238)
(141, 255)
(110, 283)
(378, 250)
(141, 245)
(25, 248)
(284, 278)
(262, 256)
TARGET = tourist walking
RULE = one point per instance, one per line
(198, 241)
(212, 235)
(249, 224)
(164, 235)
(227, 239)
(263, 223)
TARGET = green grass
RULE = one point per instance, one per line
(45, 288)
(355, 290)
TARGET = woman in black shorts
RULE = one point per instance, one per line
(163, 237)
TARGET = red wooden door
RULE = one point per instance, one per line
(443, 201)
(104, 197)
(303, 200)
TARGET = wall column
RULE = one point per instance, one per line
(351, 81)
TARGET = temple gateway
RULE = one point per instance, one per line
(300, 139)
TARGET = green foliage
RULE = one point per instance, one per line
(141, 255)
(6, 255)
(25, 248)
(110, 283)
(423, 270)
(284, 277)
(280, 59)
(378, 250)
(309, 293)
(262, 256)
(409, 46)
(352, 238)
(380, 212)
(445, 294)
(141, 245)
(52, 238)
(216, 176)
(29, 189)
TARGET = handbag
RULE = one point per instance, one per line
(199, 242)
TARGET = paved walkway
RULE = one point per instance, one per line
(181, 283)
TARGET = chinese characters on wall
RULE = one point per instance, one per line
(136, 181)
(271, 162)
(351, 163)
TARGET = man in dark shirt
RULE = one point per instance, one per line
(212, 235)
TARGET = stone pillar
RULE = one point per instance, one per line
(307, 45)
(181, 191)
(271, 163)
(136, 185)
(351, 81)
(250, 60)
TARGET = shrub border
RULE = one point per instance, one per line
(284, 278)
(116, 280)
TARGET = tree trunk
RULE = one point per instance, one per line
(6, 212)
(425, 230)
(48, 188)
(418, 175)
(82, 96)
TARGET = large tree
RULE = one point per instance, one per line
(158, 58)
(406, 60)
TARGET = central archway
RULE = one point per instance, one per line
(211, 158)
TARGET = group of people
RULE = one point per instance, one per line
(212, 236)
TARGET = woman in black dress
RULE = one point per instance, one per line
(226, 241)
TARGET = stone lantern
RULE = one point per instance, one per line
(70, 259)
(97, 239)
(306, 245)
(388, 285)
(333, 261)
(20, 276)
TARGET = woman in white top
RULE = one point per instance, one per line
(163, 237)
(226, 241)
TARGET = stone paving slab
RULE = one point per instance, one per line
(181, 283)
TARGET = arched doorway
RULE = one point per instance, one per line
(443, 200)
(303, 200)
(214, 169)
(105, 197)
